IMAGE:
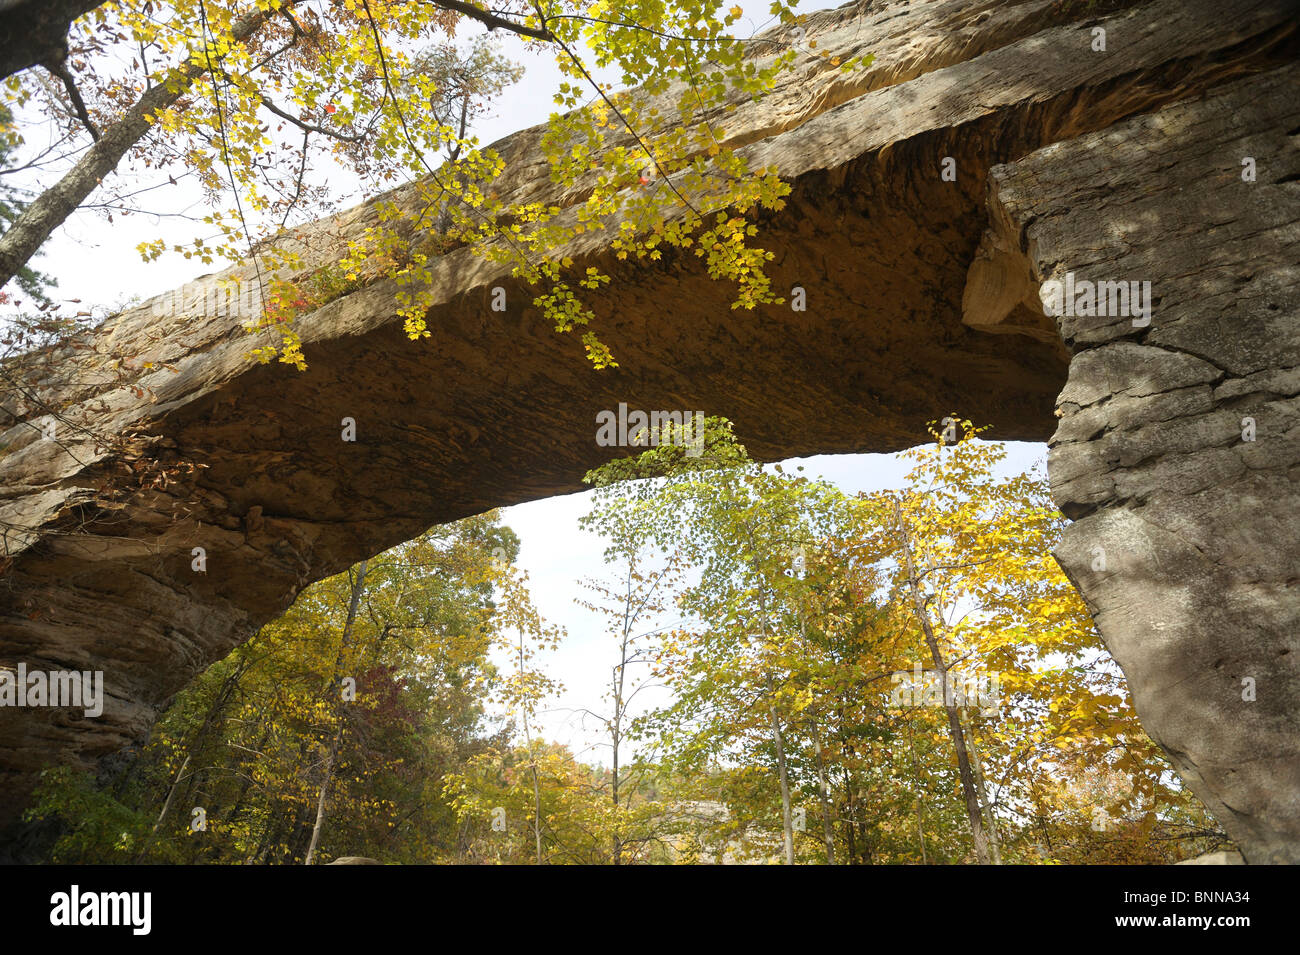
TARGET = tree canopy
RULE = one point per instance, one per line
(268, 106)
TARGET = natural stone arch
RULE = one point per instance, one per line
(919, 304)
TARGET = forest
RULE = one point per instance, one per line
(898, 678)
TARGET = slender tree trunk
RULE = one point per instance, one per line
(210, 720)
(787, 821)
(167, 804)
(850, 836)
(981, 790)
(320, 801)
(854, 826)
(617, 853)
(851, 812)
(532, 757)
(616, 725)
(864, 835)
(920, 803)
(354, 603)
(270, 836)
(978, 836)
(537, 788)
(537, 808)
(1040, 819)
(824, 790)
(778, 738)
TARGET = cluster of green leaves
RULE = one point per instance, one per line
(655, 169)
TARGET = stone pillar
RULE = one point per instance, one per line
(1177, 454)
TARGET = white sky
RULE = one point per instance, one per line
(97, 263)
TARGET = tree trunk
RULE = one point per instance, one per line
(36, 31)
(851, 822)
(824, 790)
(354, 602)
(320, 801)
(537, 807)
(979, 838)
(616, 725)
(920, 803)
(850, 837)
(532, 758)
(167, 804)
(981, 790)
(787, 822)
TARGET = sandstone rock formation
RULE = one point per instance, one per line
(920, 303)
(1178, 450)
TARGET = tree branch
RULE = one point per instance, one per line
(59, 68)
(36, 31)
(311, 127)
(492, 21)
(49, 210)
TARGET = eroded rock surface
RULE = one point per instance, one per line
(246, 461)
(1178, 449)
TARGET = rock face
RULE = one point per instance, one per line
(1178, 450)
(921, 301)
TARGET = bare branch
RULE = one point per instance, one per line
(59, 68)
(492, 21)
(312, 127)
